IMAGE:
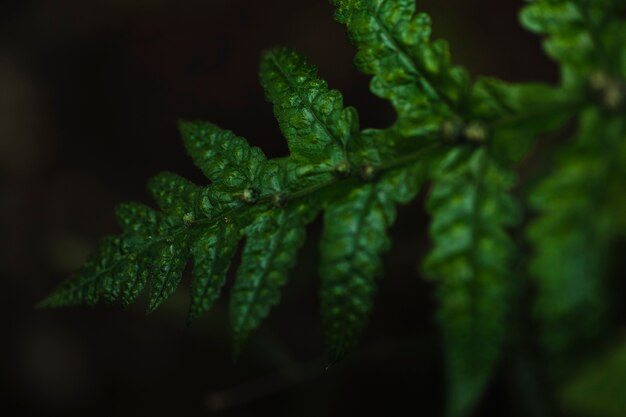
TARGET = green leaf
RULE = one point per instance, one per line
(212, 254)
(167, 272)
(413, 72)
(317, 126)
(471, 263)
(116, 271)
(573, 234)
(223, 157)
(273, 241)
(137, 218)
(174, 195)
(355, 235)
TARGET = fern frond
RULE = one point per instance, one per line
(471, 262)
(463, 136)
(269, 202)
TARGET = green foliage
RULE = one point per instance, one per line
(464, 137)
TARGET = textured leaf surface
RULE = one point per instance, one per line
(223, 157)
(471, 263)
(212, 254)
(173, 194)
(355, 235)
(317, 126)
(273, 241)
(167, 272)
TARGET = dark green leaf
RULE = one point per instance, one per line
(471, 263)
(273, 241)
(317, 126)
(212, 254)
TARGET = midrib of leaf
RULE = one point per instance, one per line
(305, 102)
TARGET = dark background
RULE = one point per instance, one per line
(90, 91)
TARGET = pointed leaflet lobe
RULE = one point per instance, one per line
(235, 168)
(270, 251)
(413, 72)
(312, 118)
(104, 272)
(355, 235)
(175, 195)
(471, 262)
(118, 270)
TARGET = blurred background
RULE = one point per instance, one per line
(90, 91)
